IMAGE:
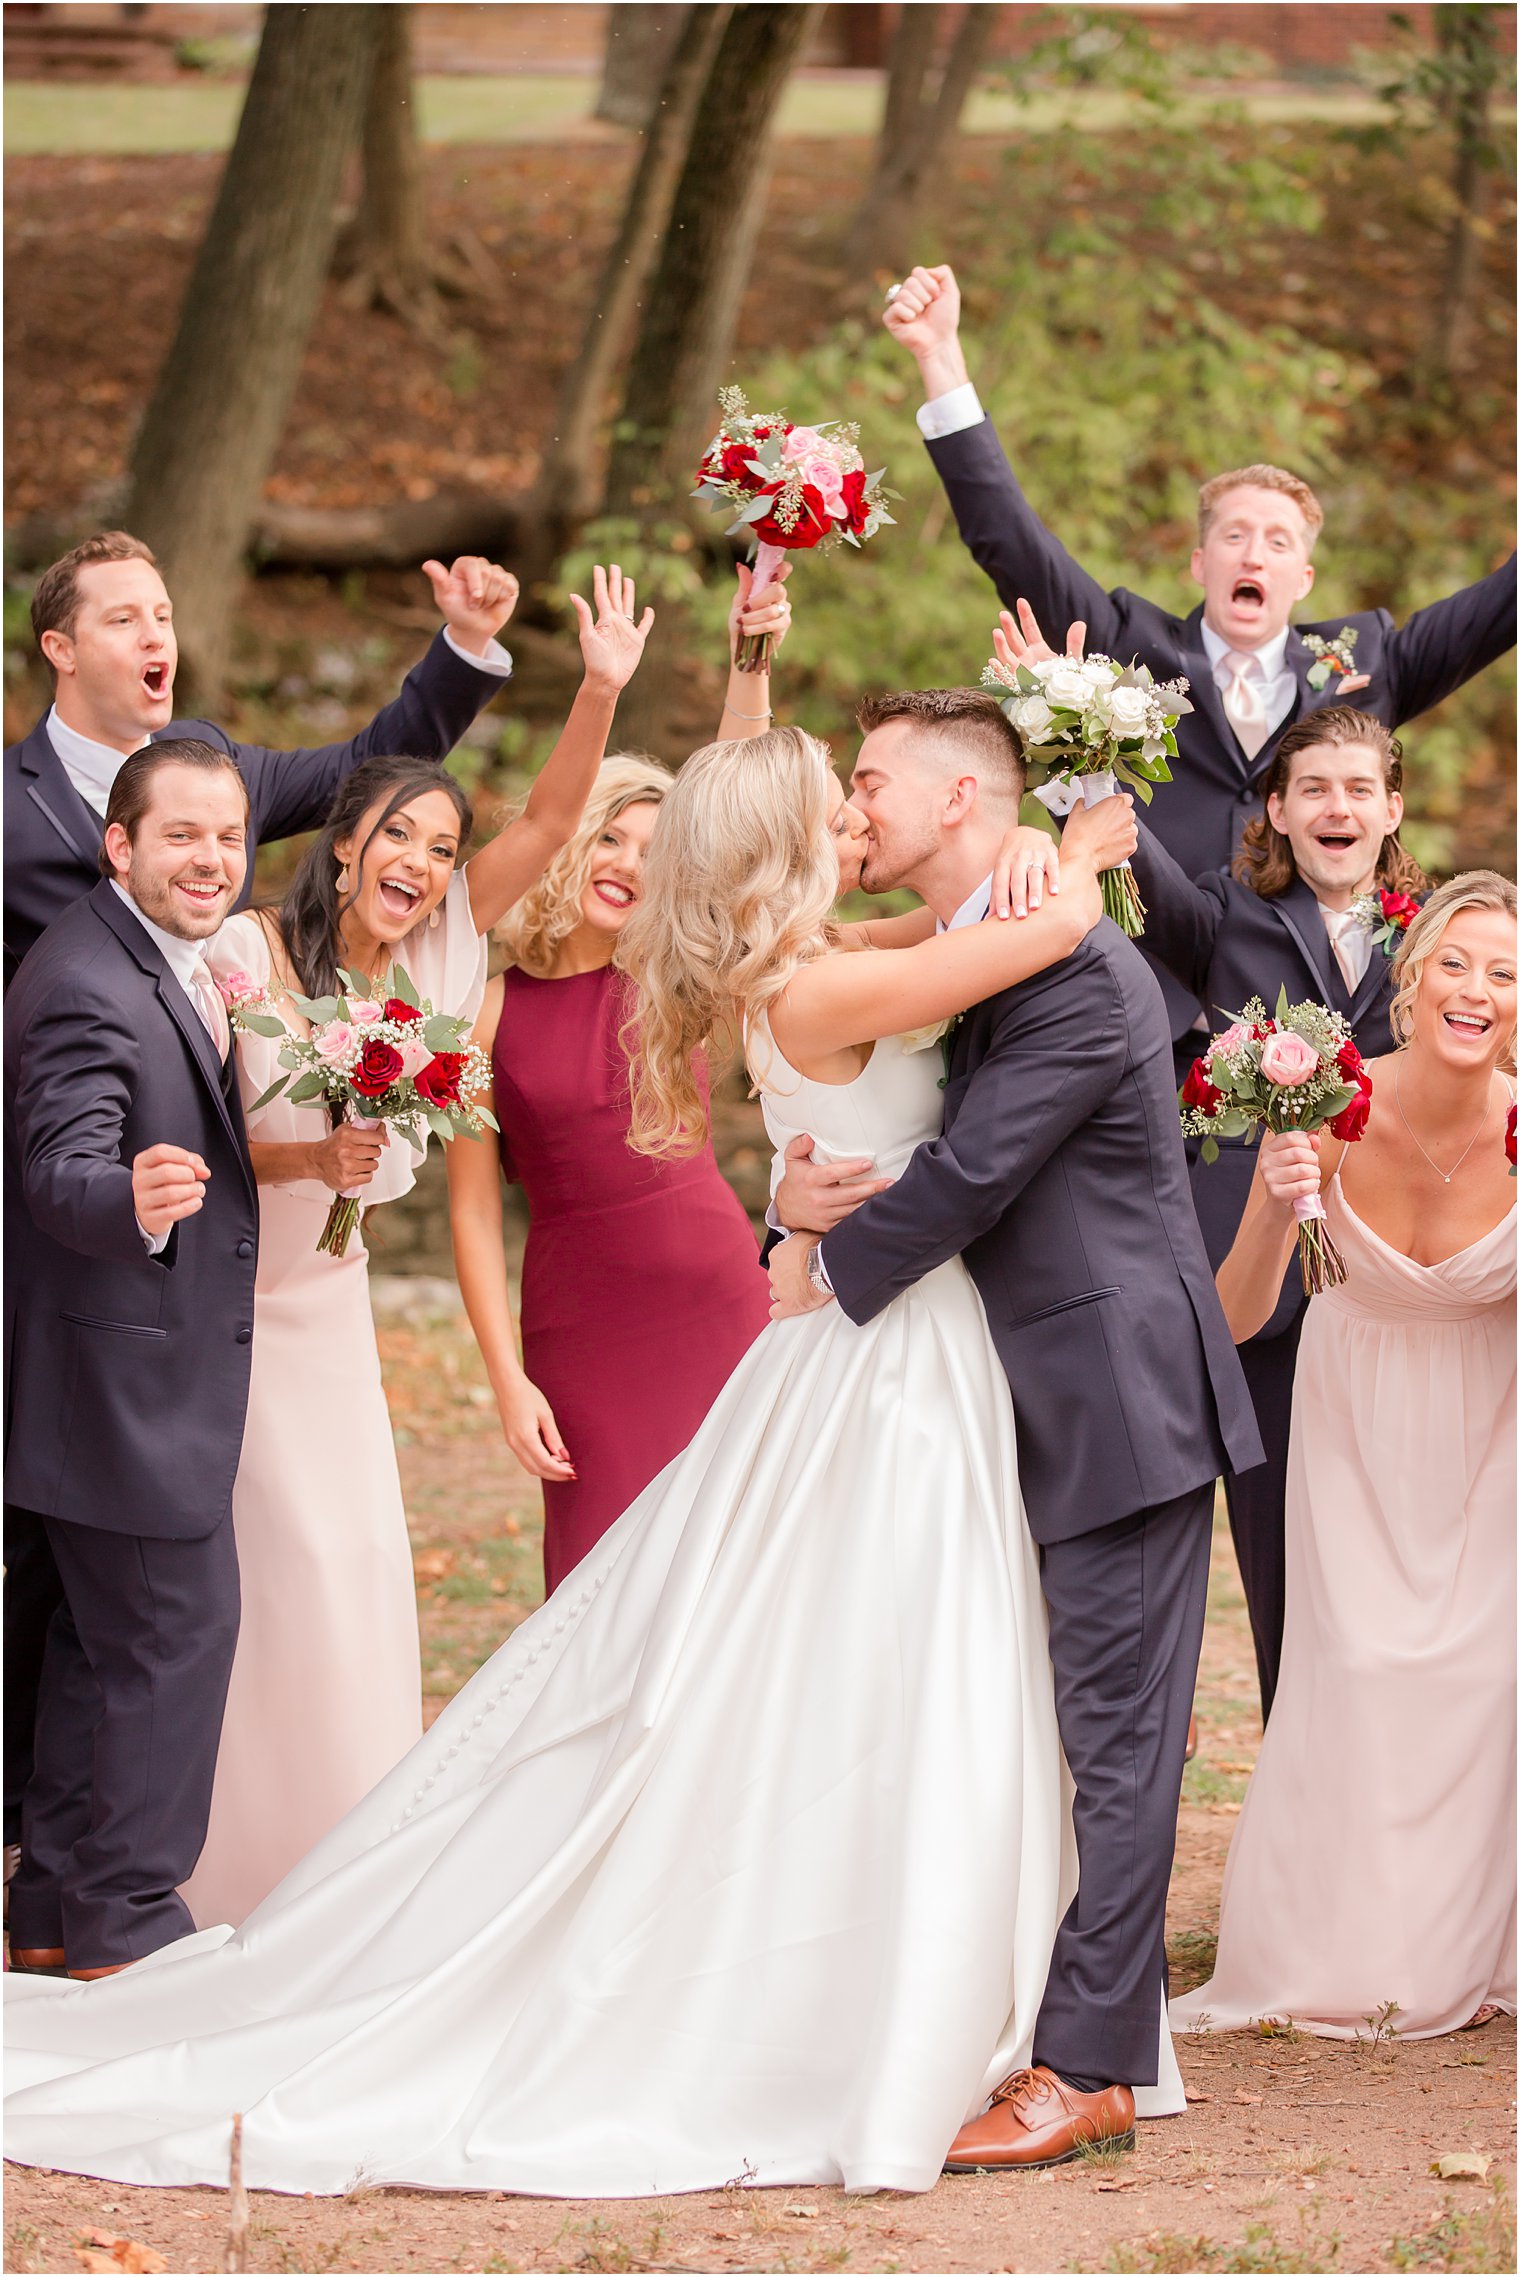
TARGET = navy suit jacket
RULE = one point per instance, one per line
(127, 1375)
(1199, 818)
(52, 835)
(1225, 944)
(1061, 1179)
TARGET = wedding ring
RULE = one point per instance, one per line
(892, 293)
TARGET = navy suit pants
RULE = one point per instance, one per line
(1257, 1497)
(134, 1683)
(1126, 1606)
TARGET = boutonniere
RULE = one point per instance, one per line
(941, 1032)
(1332, 658)
(1388, 916)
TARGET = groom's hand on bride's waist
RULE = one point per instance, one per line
(797, 1284)
(813, 1196)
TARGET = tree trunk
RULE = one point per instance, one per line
(383, 254)
(640, 40)
(915, 137)
(693, 304)
(219, 404)
(570, 484)
(1469, 60)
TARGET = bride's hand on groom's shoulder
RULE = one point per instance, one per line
(475, 598)
(612, 641)
(1028, 866)
(813, 1196)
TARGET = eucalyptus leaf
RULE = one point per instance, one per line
(1210, 1150)
(401, 986)
(263, 1023)
(317, 1009)
(441, 1032)
(308, 1086)
(264, 1097)
(441, 1126)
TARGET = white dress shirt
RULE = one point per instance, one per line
(1278, 686)
(1350, 943)
(93, 767)
(181, 957)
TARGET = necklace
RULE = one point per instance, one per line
(1445, 1176)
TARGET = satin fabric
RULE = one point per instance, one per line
(740, 1861)
(1374, 1859)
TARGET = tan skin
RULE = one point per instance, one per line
(611, 894)
(1449, 1083)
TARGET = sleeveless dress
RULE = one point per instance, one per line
(641, 1288)
(741, 1860)
(1374, 1859)
(326, 1689)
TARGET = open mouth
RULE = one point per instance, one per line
(1467, 1023)
(615, 896)
(397, 898)
(201, 893)
(1247, 593)
(155, 680)
(1337, 841)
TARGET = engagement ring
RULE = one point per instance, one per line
(892, 293)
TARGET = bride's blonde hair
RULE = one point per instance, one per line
(739, 880)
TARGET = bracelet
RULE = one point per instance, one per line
(766, 714)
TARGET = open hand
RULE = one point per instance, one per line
(1020, 641)
(771, 613)
(167, 1184)
(612, 643)
(813, 1196)
(925, 311)
(475, 597)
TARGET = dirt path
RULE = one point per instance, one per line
(1295, 2154)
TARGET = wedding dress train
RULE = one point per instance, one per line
(741, 1860)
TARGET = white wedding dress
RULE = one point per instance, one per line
(741, 1860)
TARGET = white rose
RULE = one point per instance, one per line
(1127, 709)
(1067, 686)
(1033, 717)
(1097, 671)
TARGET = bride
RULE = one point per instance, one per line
(742, 1859)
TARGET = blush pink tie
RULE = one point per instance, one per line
(207, 999)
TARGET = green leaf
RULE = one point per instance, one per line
(262, 1023)
(441, 1125)
(317, 1009)
(443, 1032)
(401, 986)
(488, 1118)
(264, 1097)
(311, 1085)
(1209, 1150)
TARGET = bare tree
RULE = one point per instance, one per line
(383, 253)
(923, 111)
(219, 404)
(640, 38)
(570, 485)
(1468, 65)
(692, 308)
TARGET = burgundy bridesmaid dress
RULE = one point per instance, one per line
(641, 1287)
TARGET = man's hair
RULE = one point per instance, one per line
(970, 717)
(1259, 478)
(1265, 862)
(132, 792)
(55, 602)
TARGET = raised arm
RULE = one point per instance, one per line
(612, 644)
(480, 1261)
(1182, 918)
(747, 698)
(1439, 647)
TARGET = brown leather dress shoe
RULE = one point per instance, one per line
(88, 1976)
(1037, 2120)
(37, 1960)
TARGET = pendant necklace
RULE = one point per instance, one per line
(1445, 1176)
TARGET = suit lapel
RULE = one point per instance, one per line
(50, 791)
(1299, 911)
(1365, 994)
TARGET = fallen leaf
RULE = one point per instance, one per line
(1460, 2166)
(98, 2249)
(1132, 2183)
(804, 2213)
(1194, 2097)
(1240, 2096)
(432, 1565)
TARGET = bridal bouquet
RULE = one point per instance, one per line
(395, 1062)
(1299, 1071)
(1088, 724)
(793, 488)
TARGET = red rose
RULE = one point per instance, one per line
(379, 1066)
(438, 1082)
(1263, 1029)
(733, 463)
(1198, 1091)
(1349, 1060)
(855, 508)
(1352, 1119)
(762, 431)
(1509, 1136)
(1398, 909)
(394, 1009)
(812, 522)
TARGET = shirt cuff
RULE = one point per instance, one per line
(947, 414)
(154, 1243)
(497, 660)
(774, 1222)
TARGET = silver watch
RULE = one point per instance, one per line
(815, 1272)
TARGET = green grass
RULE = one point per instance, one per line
(1260, 2250)
(201, 113)
(1483, 2239)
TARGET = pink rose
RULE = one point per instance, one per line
(335, 1043)
(414, 1055)
(826, 479)
(1230, 1042)
(363, 1009)
(1287, 1060)
(801, 443)
(237, 987)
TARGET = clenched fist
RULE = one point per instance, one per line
(475, 597)
(166, 1186)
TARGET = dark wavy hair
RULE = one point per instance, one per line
(311, 912)
(1265, 862)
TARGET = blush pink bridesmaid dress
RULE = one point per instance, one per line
(1374, 1861)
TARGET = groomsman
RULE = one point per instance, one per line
(1297, 915)
(105, 623)
(1246, 665)
(130, 1319)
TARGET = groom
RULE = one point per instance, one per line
(1061, 1178)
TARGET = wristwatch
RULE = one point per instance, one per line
(821, 1284)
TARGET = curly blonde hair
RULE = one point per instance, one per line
(1474, 889)
(739, 880)
(534, 928)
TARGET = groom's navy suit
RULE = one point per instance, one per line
(1217, 788)
(1062, 1181)
(127, 1384)
(1226, 944)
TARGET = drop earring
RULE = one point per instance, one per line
(343, 881)
(433, 922)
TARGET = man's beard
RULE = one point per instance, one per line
(157, 899)
(886, 867)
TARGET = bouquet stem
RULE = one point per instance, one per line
(1319, 1261)
(755, 650)
(342, 1219)
(1121, 900)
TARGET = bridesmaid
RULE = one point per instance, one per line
(641, 1289)
(326, 1689)
(1380, 1868)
